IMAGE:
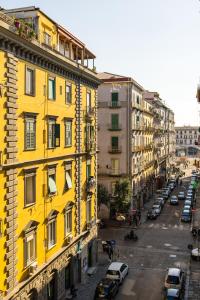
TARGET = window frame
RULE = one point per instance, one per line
(68, 213)
(50, 222)
(52, 78)
(68, 85)
(49, 38)
(27, 118)
(30, 174)
(28, 262)
(51, 173)
(33, 80)
(68, 169)
(67, 121)
(88, 101)
(51, 122)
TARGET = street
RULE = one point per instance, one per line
(162, 244)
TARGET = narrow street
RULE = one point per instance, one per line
(162, 244)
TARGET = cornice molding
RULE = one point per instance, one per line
(32, 52)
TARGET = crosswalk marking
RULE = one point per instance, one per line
(167, 226)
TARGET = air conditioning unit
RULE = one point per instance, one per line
(69, 238)
(32, 268)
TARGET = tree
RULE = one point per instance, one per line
(123, 195)
(102, 195)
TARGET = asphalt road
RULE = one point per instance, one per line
(162, 243)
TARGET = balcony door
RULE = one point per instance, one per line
(115, 166)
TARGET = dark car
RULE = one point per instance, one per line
(106, 289)
(151, 214)
(160, 201)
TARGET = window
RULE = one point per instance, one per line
(52, 181)
(115, 166)
(68, 95)
(138, 99)
(51, 88)
(115, 142)
(88, 102)
(114, 121)
(29, 187)
(51, 229)
(30, 81)
(114, 99)
(30, 242)
(47, 39)
(68, 133)
(89, 210)
(88, 169)
(30, 249)
(68, 176)
(68, 219)
(53, 133)
(30, 133)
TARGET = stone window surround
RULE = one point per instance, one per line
(51, 219)
(65, 121)
(68, 208)
(51, 77)
(30, 230)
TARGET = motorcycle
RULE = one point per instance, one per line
(131, 236)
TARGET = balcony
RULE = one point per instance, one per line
(114, 127)
(137, 148)
(115, 172)
(114, 104)
(90, 146)
(91, 184)
(116, 149)
(89, 114)
(138, 127)
(148, 147)
(160, 144)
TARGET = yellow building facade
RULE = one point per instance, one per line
(48, 173)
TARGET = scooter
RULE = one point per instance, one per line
(131, 236)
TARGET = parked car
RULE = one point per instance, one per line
(187, 207)
(151, 214)
(167, 190)
(117, 271)
(157, 208)
(173, 294)
(160, 201)
(181, 195)
(195, 254)
(190, 187)
(174, 200)
(186, 216)
(174, 278)
(171, 185)
(188, 202)
(106, 289)
(193, 171)
(164, 195)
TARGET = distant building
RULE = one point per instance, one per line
(135, 137)
(187, 140)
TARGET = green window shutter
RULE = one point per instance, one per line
(114, 141)
(115, 121)
(114, 97)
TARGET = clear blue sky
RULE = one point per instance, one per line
(157, 42)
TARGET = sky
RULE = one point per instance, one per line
(156, 42)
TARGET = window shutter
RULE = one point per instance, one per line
(114, 97)
(57, 135)
(115, 121)
(115, 142)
